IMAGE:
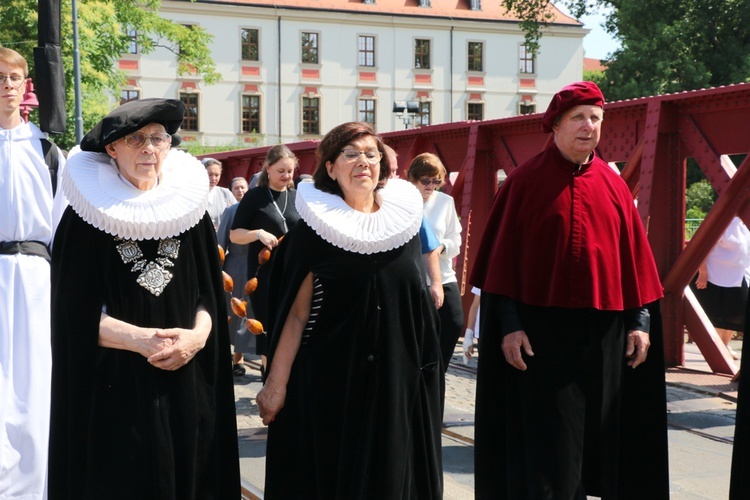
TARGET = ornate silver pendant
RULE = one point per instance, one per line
(154, 278)
(153, 275)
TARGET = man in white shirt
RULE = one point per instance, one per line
(219, 198)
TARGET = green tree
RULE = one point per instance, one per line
(699, 198)
(667, 45)
(102, 28)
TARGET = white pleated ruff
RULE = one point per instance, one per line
(100, 197)
(393, 225)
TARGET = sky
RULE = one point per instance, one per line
(597, 44)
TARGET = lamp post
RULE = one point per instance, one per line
(29, 101)
(77, 77)
(407, 111)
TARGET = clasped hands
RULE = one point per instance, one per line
(636, 348)
(172, 348)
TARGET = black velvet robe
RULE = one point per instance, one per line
(362, 414)
(739, 488)
(121, 428)
(631, 458)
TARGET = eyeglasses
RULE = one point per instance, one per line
(427, 182)
(138, 139)
(372, 157)
(15, 80)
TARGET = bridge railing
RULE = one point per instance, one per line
(648, 140)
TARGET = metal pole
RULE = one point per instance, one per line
(77, 76)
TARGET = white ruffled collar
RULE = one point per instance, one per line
(393, 225)
(97, 194)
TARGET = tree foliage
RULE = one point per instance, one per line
(102, 28)
(700, 197)
(667, 45)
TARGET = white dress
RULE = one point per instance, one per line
(27, 212)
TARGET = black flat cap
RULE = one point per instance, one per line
(132, 116)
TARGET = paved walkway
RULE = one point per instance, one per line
(701, 409)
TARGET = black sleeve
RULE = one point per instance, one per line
(499, 313)
(637, 318)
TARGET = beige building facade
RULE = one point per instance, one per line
(293, 70)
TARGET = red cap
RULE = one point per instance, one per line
(569, 97)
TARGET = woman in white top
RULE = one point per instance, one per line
(722, 283)
(427, 173)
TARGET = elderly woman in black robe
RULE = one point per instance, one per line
(352, 396)
(142, 391)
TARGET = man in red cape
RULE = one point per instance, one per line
(571, 397)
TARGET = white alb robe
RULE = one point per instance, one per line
(27, 212)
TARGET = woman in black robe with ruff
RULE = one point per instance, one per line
(352, 396)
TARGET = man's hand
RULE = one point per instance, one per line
(512, 344)
(637, 347)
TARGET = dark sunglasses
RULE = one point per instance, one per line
(427, 182)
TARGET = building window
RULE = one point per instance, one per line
(526, 108)
(475, 5)
(525, 59)
(366, 50)
(310, 48)
(424, 3)
(475, 111)
(132, 35)
(423, 115)
(475, 56)
(251, 114)
(188, 26)
(249, 48)
(311, 115)
(367, 111)
(129, 95)
(190, 100)
(421, 54)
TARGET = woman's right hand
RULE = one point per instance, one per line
(270, 400)
(269, 240)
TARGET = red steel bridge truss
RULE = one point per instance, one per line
(648, 139)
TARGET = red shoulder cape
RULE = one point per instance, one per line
(560, 236)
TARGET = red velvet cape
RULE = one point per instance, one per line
(563, 236)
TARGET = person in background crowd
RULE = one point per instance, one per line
(352, 394)
(142, 393)
(302, 178)
(235, 264)
(266, 213)
(219, 198)
(721, 286)
(427, 173)
(29, 212)
(471, 335)
(571, 397)
(430, 243)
